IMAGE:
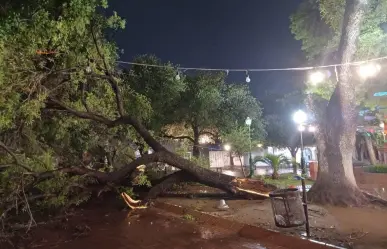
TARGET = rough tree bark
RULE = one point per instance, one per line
(196, 148)
(339, 187)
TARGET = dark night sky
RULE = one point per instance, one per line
(217, 34)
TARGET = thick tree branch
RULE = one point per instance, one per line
(109, 77)
(14, 157)
(55, 104)
(83, 97)
(179, 137)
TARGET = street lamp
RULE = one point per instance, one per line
(300, 118)
(227, 147)
(248, 123)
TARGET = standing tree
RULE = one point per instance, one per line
(239, 141)
(195, 105)
(332, 29)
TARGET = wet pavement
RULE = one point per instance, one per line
(150, 229)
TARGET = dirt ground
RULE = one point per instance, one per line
(101, 228)
(358, 228)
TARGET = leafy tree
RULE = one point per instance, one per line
(61, 95)
(275, 161)
(239, 141)
(341, 31)
(195, 105)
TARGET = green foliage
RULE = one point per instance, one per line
(142, 180)
(201, 101)
(284, 181)
(317, 24)
(188, 217)
(239, 140)
(275, 161)
(382, 169)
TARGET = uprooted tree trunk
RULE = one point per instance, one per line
(338, 185)
(202, 175)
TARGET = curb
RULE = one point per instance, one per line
(246, 231)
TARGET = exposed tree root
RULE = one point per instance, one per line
(325, 193)
(375, 199)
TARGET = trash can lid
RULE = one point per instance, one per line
(283, 192)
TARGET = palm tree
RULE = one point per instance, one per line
(274, 161)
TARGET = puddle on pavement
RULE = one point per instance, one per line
(148, 229)
(253, 246)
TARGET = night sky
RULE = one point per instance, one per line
(216, 34)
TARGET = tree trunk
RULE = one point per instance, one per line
(231, 160)
(293, 153)
(339, 187)
(196, 148)
(242, 167)
(317, 193)
(370, 149)
(275, 175)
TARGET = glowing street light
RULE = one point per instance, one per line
(227, 147)
(259, 145)
(300, 117)
(368, 70)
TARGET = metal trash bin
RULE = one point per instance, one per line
(287, 208)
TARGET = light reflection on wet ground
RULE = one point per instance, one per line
(155, 230)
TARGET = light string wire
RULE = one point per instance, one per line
(355, 63)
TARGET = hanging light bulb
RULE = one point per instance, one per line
(368, 70)
(247, 77)
(88, 69)
(177, 76)
(317, 77)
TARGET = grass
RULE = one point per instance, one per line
(284, 181)
(381, 169)
(188, 217)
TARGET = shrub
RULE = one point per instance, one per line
(377, 169)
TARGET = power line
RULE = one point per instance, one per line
(355, 63)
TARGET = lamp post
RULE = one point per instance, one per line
(248, 123)
(300, 118)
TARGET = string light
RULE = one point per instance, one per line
(355, 63)
(364, 69)
(247, 77)
(368, 70)
(317, 77)
(177, 76)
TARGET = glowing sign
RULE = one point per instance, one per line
(380, 94)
